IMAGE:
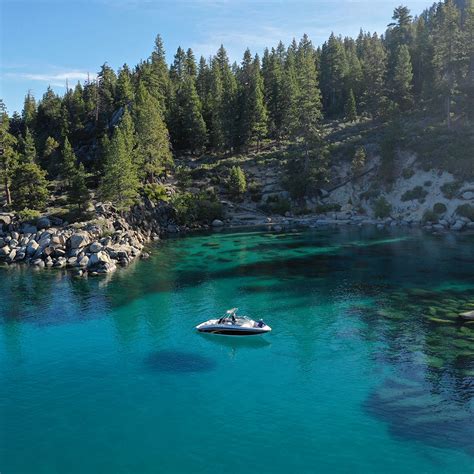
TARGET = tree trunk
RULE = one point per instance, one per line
(6, 185)
(448, 110)
(7, 191)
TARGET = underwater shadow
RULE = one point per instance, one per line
(178, 362)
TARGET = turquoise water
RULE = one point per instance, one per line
(367, 368)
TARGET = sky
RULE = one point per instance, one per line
(46, 42)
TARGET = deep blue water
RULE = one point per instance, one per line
(368, 368)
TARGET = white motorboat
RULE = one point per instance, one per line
(232, 325)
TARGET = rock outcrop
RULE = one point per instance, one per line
(93, 247)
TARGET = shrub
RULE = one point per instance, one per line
(358, 162)
(255, 190)
(427, 184)
(276, 205)
(237, 181)
(465, 210)
(155, 192)
(416, 193)
(382, 208)
(429, 216)
(28, 215)
(451, 189)
(439, 208)
(192, 208)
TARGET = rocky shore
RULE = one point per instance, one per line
(90, 248)
(278, 223)
(115, 239)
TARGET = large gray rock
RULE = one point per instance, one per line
(78, 240)
(38, 263)
(43, 223)
(84, 261)
(29, 229)
(217, 223)
(99, 258)
(458, 225)
(5, 219)
(31, 248)
(95, 247)
(11, 256)
(5, 251)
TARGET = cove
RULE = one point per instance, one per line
(368, 368)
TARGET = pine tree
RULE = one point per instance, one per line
(28, 148)
(29, 187)
(258, 111)
(216, 129)
(402, 79)
(29, 111)
(334, 70)
(78, 192)
(153, 147)
(120, 180)
(193, 126)
(467, 87)
(107, 83)
(289, 95)
(160, 85)
(50, 152)
(308, 100)
(447, 40)
(124, 89)
(8, 155)
(350, 108)
(358, 162)
(68, 162)
(129, 136)
(237, 182)
(374, 67)
(227, 107)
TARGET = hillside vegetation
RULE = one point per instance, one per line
(281, 132)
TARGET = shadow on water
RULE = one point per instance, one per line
(176, 362)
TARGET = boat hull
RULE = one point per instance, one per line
(234, 331)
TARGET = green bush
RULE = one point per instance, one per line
(465, 210)
(439, 208)
(416, 193)
(451, 189)
(276, 205)
(191, 208)
(28, 215)
(255, 190)
(429, 216)
(237, 181)
(382, 208)
(155, 192)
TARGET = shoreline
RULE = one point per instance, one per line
(116, 239)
